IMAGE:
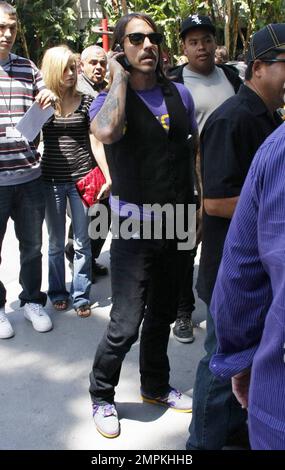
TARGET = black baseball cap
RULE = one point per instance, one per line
(269, 38)
(196, 21)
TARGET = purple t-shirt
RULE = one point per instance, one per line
(154, 100)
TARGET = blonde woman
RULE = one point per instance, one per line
(66, 159)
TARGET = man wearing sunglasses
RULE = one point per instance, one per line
(229, 140)
(146, 124)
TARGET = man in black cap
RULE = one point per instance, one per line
(210, 86)
(230, 138)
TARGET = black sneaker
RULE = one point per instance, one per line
(183, 330)
(99, 270)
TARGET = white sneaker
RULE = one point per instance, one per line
(6, 329)
(40, 320)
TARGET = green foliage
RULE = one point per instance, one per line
(45, 23)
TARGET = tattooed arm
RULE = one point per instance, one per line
(109, 123)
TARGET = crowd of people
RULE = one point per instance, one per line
(166, 143)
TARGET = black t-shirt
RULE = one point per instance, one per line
(230, 138)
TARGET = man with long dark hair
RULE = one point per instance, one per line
(146, 124)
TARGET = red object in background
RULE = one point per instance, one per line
(105, 37)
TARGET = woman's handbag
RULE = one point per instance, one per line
(89, 186)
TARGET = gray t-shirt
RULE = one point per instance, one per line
(208, 92)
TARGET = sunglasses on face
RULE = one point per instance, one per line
(138, 38)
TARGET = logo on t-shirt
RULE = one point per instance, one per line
(164, 121)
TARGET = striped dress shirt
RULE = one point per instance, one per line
(20, 82)
(248, 303)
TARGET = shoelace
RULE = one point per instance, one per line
(174, 393)
(36, 308)
(172, 397)
(108, 410)
(184, 322)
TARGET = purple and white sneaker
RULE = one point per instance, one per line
(173, 399)
(106, 420)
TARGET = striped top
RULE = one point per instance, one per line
(248, 303)
(20, 82)
(67, 152)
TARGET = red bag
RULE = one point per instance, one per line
(89, 186)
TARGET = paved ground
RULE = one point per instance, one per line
(44, 376)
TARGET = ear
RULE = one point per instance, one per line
(183, 48)
(258, 67)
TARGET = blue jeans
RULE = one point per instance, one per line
(24, 203)
(146, 276)
(57, 195)
(216, 413)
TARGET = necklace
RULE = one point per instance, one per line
(8, 106)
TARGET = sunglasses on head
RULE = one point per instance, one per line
(138, 38)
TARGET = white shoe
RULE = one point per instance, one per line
(6, 329)
(40, 320)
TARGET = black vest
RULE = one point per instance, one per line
(149, 165)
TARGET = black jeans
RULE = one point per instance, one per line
(25, 204)
(216, 414)
(186, 304)
(2, 295)
(145, 276)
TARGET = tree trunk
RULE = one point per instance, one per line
(23, 40)
(212, 10)
(124, 7)
(235, 31)
(228, 20)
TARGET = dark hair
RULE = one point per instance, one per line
(119, 33)
(223, 53)
(269, 55)
(7, 8)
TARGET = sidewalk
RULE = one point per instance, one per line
(44, 376)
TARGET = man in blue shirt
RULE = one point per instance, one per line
(229, 140)
(248, 303)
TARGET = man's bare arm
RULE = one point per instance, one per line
(108, 125)
(221, 207)
(100, 157)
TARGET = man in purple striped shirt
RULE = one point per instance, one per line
(21, 193)
(248, 303)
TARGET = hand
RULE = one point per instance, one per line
(104, 191)
(46, 98)
(240, 386)
(115, 66)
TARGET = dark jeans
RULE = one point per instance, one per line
(186, 304)
(24, 203)
(216, 415)
(145, 276)
(96, 244)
